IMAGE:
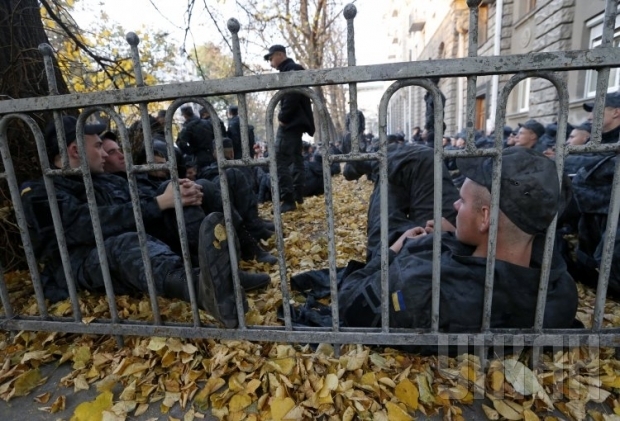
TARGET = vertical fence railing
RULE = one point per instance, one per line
(539, 65)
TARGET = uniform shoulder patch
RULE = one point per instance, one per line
(398, 301)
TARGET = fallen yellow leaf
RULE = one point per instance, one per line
(239, 402)
(396, 413)
(93, 411)
(280, 407)
(407, 393)
(26, 382)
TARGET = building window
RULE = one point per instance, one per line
(523, 7)
(523, 95)
(530, 5)
(483, 24)
(596, 34)
(481, 113)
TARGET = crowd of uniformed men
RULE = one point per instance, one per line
(531, 196)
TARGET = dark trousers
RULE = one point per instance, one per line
(127, 269)
(291, 175)
(410, 198)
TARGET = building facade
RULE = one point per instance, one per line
(439, 30)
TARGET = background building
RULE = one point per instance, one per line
(439, 30)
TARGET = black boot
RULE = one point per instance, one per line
(175, 285)
(251, 281)
(268, 224)
(261, 233)
(215, 290)
(250, 249)
(288, 206)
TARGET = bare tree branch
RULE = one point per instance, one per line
(98, 59)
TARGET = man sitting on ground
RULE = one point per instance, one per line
(530, 198)
(119, 231)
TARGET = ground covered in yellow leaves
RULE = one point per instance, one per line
(237, 380)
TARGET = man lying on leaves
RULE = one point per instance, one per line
(530, 198)
(119, 230)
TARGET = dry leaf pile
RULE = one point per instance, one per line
(238, 380)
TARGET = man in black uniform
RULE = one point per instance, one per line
(529, 135)
(592, 185)
(234, 132)
(295, 118)
(154, 182)
(530, 199)
(429, 124)
(118, 229)
(361, 125)
(196, 138)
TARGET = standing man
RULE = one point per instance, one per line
(196, 138)
(295, 118)
(234, 132)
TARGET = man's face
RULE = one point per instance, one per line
(611, 119)
(115, 161)
(526, 138)
(460, 143)
(276, 58)
(578, 137)
(94, 153)
(512, 139)
(191, 173)
(468, 214)
(162, 174)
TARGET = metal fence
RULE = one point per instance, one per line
(547, 65)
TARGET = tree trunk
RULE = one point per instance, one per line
(22, 75)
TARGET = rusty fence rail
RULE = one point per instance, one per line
(547, 65)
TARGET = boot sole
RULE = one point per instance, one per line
(215, 269)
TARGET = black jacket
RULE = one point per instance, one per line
(234, 133)
(462, 290)
(295, 109)
(115, 215)
(196, 139)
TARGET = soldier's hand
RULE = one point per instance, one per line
(445, 226)
(191, 193)
(410, 233)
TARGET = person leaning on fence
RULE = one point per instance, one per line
(119, 232)
(155, 182)
(294, 119)
(530, 198)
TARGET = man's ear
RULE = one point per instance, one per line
(72, 151)
(484, 222)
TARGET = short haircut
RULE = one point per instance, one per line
(187, 110)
